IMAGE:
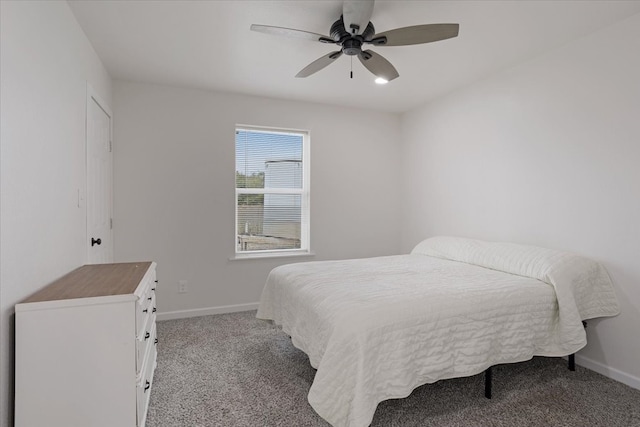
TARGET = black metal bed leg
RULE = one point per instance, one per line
(572, 357)
(487, 383)
(572, 362)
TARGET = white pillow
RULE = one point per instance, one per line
(579, 278)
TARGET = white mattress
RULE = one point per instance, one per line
(377, 328)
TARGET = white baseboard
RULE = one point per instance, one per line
(608, 372)
(182, 314)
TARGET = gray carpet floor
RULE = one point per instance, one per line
(234, 370)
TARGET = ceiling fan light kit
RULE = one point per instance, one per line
(354, 29)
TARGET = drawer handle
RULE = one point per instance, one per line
(145, 310)
(150, 298)
(147, 384)
(153, 289)
(95, 241)
(156, 281)
(156, 341)
(154, 310)
(146, 336)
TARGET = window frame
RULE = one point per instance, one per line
(304, 193)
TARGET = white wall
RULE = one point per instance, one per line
(45, 64)
(548, 154)
(174, 163)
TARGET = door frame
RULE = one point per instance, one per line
(93, 96)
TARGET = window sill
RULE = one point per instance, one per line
(242, 257)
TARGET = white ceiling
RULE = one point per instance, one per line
(208, 45)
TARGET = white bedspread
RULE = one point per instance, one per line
(377, 328)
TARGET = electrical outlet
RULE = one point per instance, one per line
(183, 287)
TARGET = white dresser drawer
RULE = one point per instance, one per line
(146, 339)
(145, 309)
(143, 387)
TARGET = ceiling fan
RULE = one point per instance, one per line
(353, 30)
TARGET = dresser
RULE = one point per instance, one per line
(86, 348)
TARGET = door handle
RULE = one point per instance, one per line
(96, 241)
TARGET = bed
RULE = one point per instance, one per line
(377, 328)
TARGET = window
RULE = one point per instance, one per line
(272, 191)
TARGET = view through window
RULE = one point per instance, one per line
(272, 196)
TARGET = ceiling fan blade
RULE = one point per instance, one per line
(290, 32)
(417, 34)
(356, 15)
(378, 66)
(319, 64)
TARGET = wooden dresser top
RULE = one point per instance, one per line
(94, 281)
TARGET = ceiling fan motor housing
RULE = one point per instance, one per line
(352, 47)
(351, 44)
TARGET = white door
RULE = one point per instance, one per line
(99, 181)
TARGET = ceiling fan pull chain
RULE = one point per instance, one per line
(352, 67)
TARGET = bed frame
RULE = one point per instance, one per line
(488, 374)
